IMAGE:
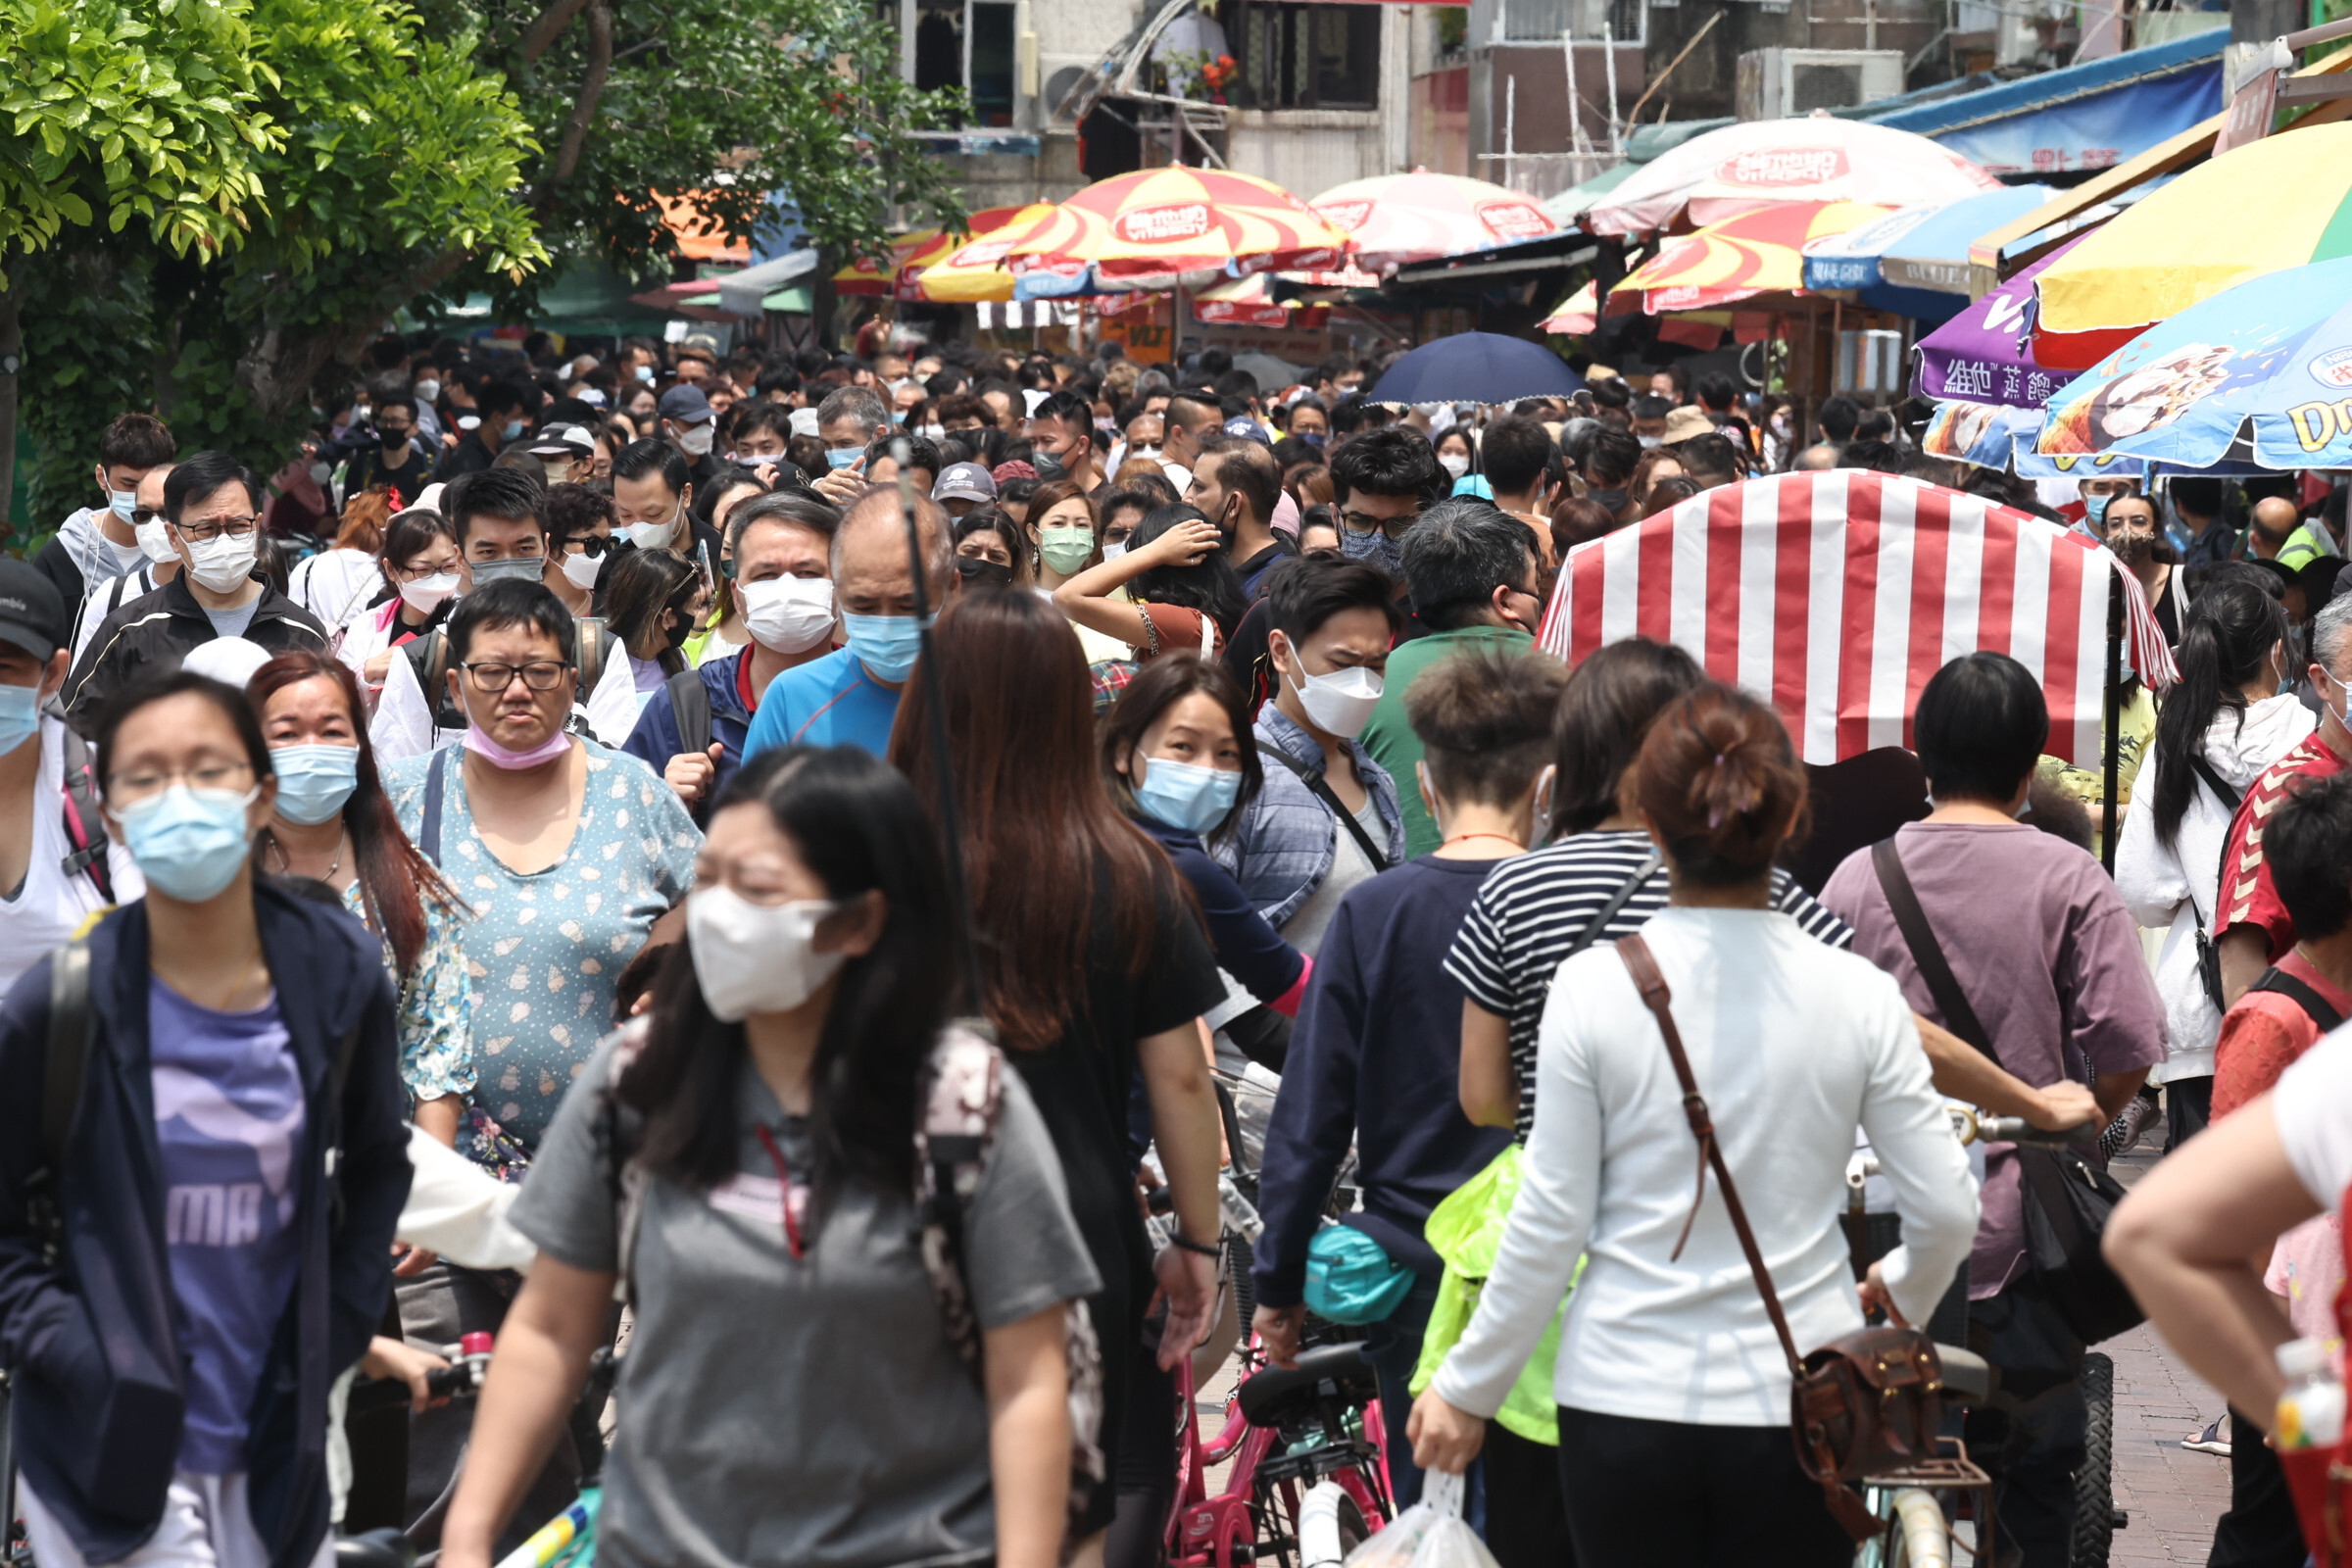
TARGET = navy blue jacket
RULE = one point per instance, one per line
(1376, 1057)
(655, 739)
(1245, 947)
(94, 1342)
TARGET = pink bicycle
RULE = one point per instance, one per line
(1309, 1477)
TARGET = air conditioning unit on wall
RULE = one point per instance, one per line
(1780, 83)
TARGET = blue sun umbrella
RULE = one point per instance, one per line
(2261, 372)
(1476, 368)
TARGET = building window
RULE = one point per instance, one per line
(1317, 55)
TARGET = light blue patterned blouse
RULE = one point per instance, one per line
(544, 950)
(435, 1057)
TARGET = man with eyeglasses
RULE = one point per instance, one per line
(212, 509)
(1381, 480)
(499, 519)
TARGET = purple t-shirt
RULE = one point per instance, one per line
(229, 1115)
(2041, 945)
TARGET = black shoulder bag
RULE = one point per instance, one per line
(2209, 957)
(1321, 788)
(2065, 1200)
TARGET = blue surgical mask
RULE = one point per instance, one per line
(886, 645)
(2094, 509)
(124, 502)
(1186, 795)
(313, 781)
(19, 715)
(838, 457)
(513, 431)
(1313, 438)
(188, 843)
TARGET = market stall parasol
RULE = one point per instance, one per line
(1913, 262)
(1162, 227)
(2261, 372)
(1836, 594)
(974, 271)
(1761, 252)
(2281, 202)
(1392, 220)
(1578, 314)
(1763, 163)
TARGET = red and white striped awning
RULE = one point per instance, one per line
(1838, 593)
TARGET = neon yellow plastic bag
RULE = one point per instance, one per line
(1466, 1231)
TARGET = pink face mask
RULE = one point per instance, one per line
(478, 742)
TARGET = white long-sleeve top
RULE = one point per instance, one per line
(2172, 888)
(1793, 1045)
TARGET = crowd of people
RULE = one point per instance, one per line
(775, 860)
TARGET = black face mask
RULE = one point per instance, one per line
(1048, 467)
(1609, 500)
(678, 630)
(977, 572)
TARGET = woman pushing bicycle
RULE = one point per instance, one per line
(801, 1386)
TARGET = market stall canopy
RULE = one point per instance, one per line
(1476, 368)
(974, 271)
(2092, 115)
(1759, 252)
(1151, 229)
(1251, 301)
(1575, 316)
(1395, 219)
(1984, 355)
(1764, 162)
(1836, 595)
(2272, 204)
(2259, 373)
(746, 293)
(1918, 251)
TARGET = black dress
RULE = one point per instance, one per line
(1083, 1084)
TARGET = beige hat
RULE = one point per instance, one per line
(1684, 423)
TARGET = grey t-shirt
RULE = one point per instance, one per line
(1304, 928)
(232, 622)
(809, 1413)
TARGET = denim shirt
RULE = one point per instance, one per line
(1288, 840)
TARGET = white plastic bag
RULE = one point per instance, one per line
(1431, 1534)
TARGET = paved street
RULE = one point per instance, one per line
(2173, 1496)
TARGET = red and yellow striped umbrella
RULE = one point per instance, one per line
(1146, 228)
(974, 271)
(1759, 252)
(910, 253)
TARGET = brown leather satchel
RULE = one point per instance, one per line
(1861, 1406)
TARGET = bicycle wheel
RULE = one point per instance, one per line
(2094, 1482)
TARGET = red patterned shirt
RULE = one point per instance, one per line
(2248, 897)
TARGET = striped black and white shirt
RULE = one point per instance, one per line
(1534, 907)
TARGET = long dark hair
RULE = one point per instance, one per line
(1041, 839)
(857, 824)
(1209, 586)
(395, 878)
(2225, 638)
(643, 585)
(1158, 685)
(1605, 710)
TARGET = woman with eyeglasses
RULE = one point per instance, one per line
(568, 853)
(212, 507)
(420, 569)
(223, 1246)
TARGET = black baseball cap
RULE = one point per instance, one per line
(32, 613)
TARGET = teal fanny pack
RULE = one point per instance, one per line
(1351, 1279)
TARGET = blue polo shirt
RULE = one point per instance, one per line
(827, 702)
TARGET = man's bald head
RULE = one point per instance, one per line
(1816, 458)
(870, 572)
(2275, 520)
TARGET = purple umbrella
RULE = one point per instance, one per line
(1984, 355)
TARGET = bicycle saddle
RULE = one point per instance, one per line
(1274, 1391)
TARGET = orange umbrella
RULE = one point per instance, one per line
(1759, 252)
(974, 271)
(1150, 228)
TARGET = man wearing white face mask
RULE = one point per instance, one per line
(211, 506)
(161, 566)
(98, 543)
(692, 731)
(653, 499)
(690, 425)
(1328, 818)
(60, 862)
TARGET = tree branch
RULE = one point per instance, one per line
(583, 110)
(546, 28)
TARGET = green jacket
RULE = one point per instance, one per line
(1389, 738)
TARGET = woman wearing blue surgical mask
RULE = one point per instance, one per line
(237, 1166)
(1177, 756)
(57, 866)
(334, 825)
